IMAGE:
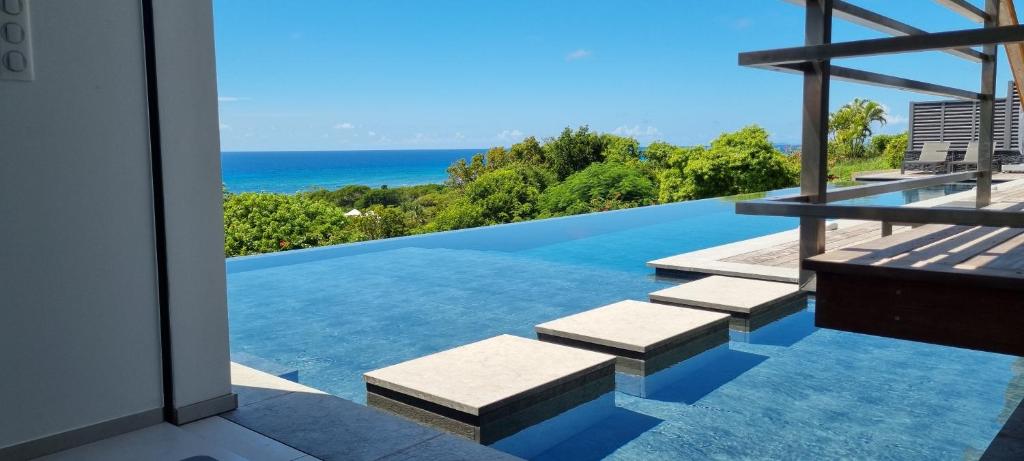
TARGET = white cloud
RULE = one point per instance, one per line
(460, 136)
(231, 98)
(578, 54)
(894, 119)
(344, 126)
(225, 127)
(742, 23)
(513, 135)
(371, 133)
(636, 131)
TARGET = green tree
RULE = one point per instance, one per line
(460, 173)
(458, 214)
(262, 223)
(850, 127)
(382, 197)
(528, 151)
(508, 194)
(599, 187)
(895, 149)
(621, 149)
(380, 222)
(573, 151)
(740, 162)
(878, 143)
(345, 197)
(658, 153)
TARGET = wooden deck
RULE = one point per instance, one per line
(954, 285)
(775, 257)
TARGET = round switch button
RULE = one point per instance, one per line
(12, 7)
(12, 33)
(14, 61)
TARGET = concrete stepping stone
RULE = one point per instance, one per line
(752, 303)
(491, 389)
(645, 337)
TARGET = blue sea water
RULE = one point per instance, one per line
(786, 391)
(290, 172)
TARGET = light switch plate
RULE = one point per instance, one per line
(16, 58)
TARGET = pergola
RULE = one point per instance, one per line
(957, 277)
(813, 60)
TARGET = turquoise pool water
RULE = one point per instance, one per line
(790, 391)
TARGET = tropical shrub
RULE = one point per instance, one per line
(459, 214)
(878, 143)
(508, 194)
(895, 150)
(599, 187)
(573, 151)
(740, 162)
(380, 222)
(621, 150)
(262, 223)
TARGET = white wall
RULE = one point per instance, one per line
(192, 199)
(79, 335)
(79, 308)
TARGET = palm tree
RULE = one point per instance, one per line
(869, 112)
(851, 124)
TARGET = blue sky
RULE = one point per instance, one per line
(426, 74)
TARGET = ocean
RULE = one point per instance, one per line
(291, 172)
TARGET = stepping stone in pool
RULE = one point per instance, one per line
(752, 303)
(491, 389)
(645, 337)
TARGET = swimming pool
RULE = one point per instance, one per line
(791, 391)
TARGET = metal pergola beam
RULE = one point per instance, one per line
(938, 215)
(965, 9)
(867, 18)
(986, 126)
(891, 45)
(814, 133)
(873, 78)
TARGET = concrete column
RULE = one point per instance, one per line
(196, 330)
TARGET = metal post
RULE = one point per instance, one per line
(986, 132)
(814, 150)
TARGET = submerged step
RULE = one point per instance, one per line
(491, 389)
(752, 303)
(645, 337)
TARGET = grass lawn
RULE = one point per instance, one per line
(843, 171)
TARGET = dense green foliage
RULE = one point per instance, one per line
(260, 223)
(895, 150)
(850, 127)
(736, 163)
(599, 187)
(578, 171)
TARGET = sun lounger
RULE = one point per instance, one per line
(970, 159)
(933, 157)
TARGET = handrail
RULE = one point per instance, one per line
(847, 193)
(800, 206)
(937, 215)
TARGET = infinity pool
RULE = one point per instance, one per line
(789, 391)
